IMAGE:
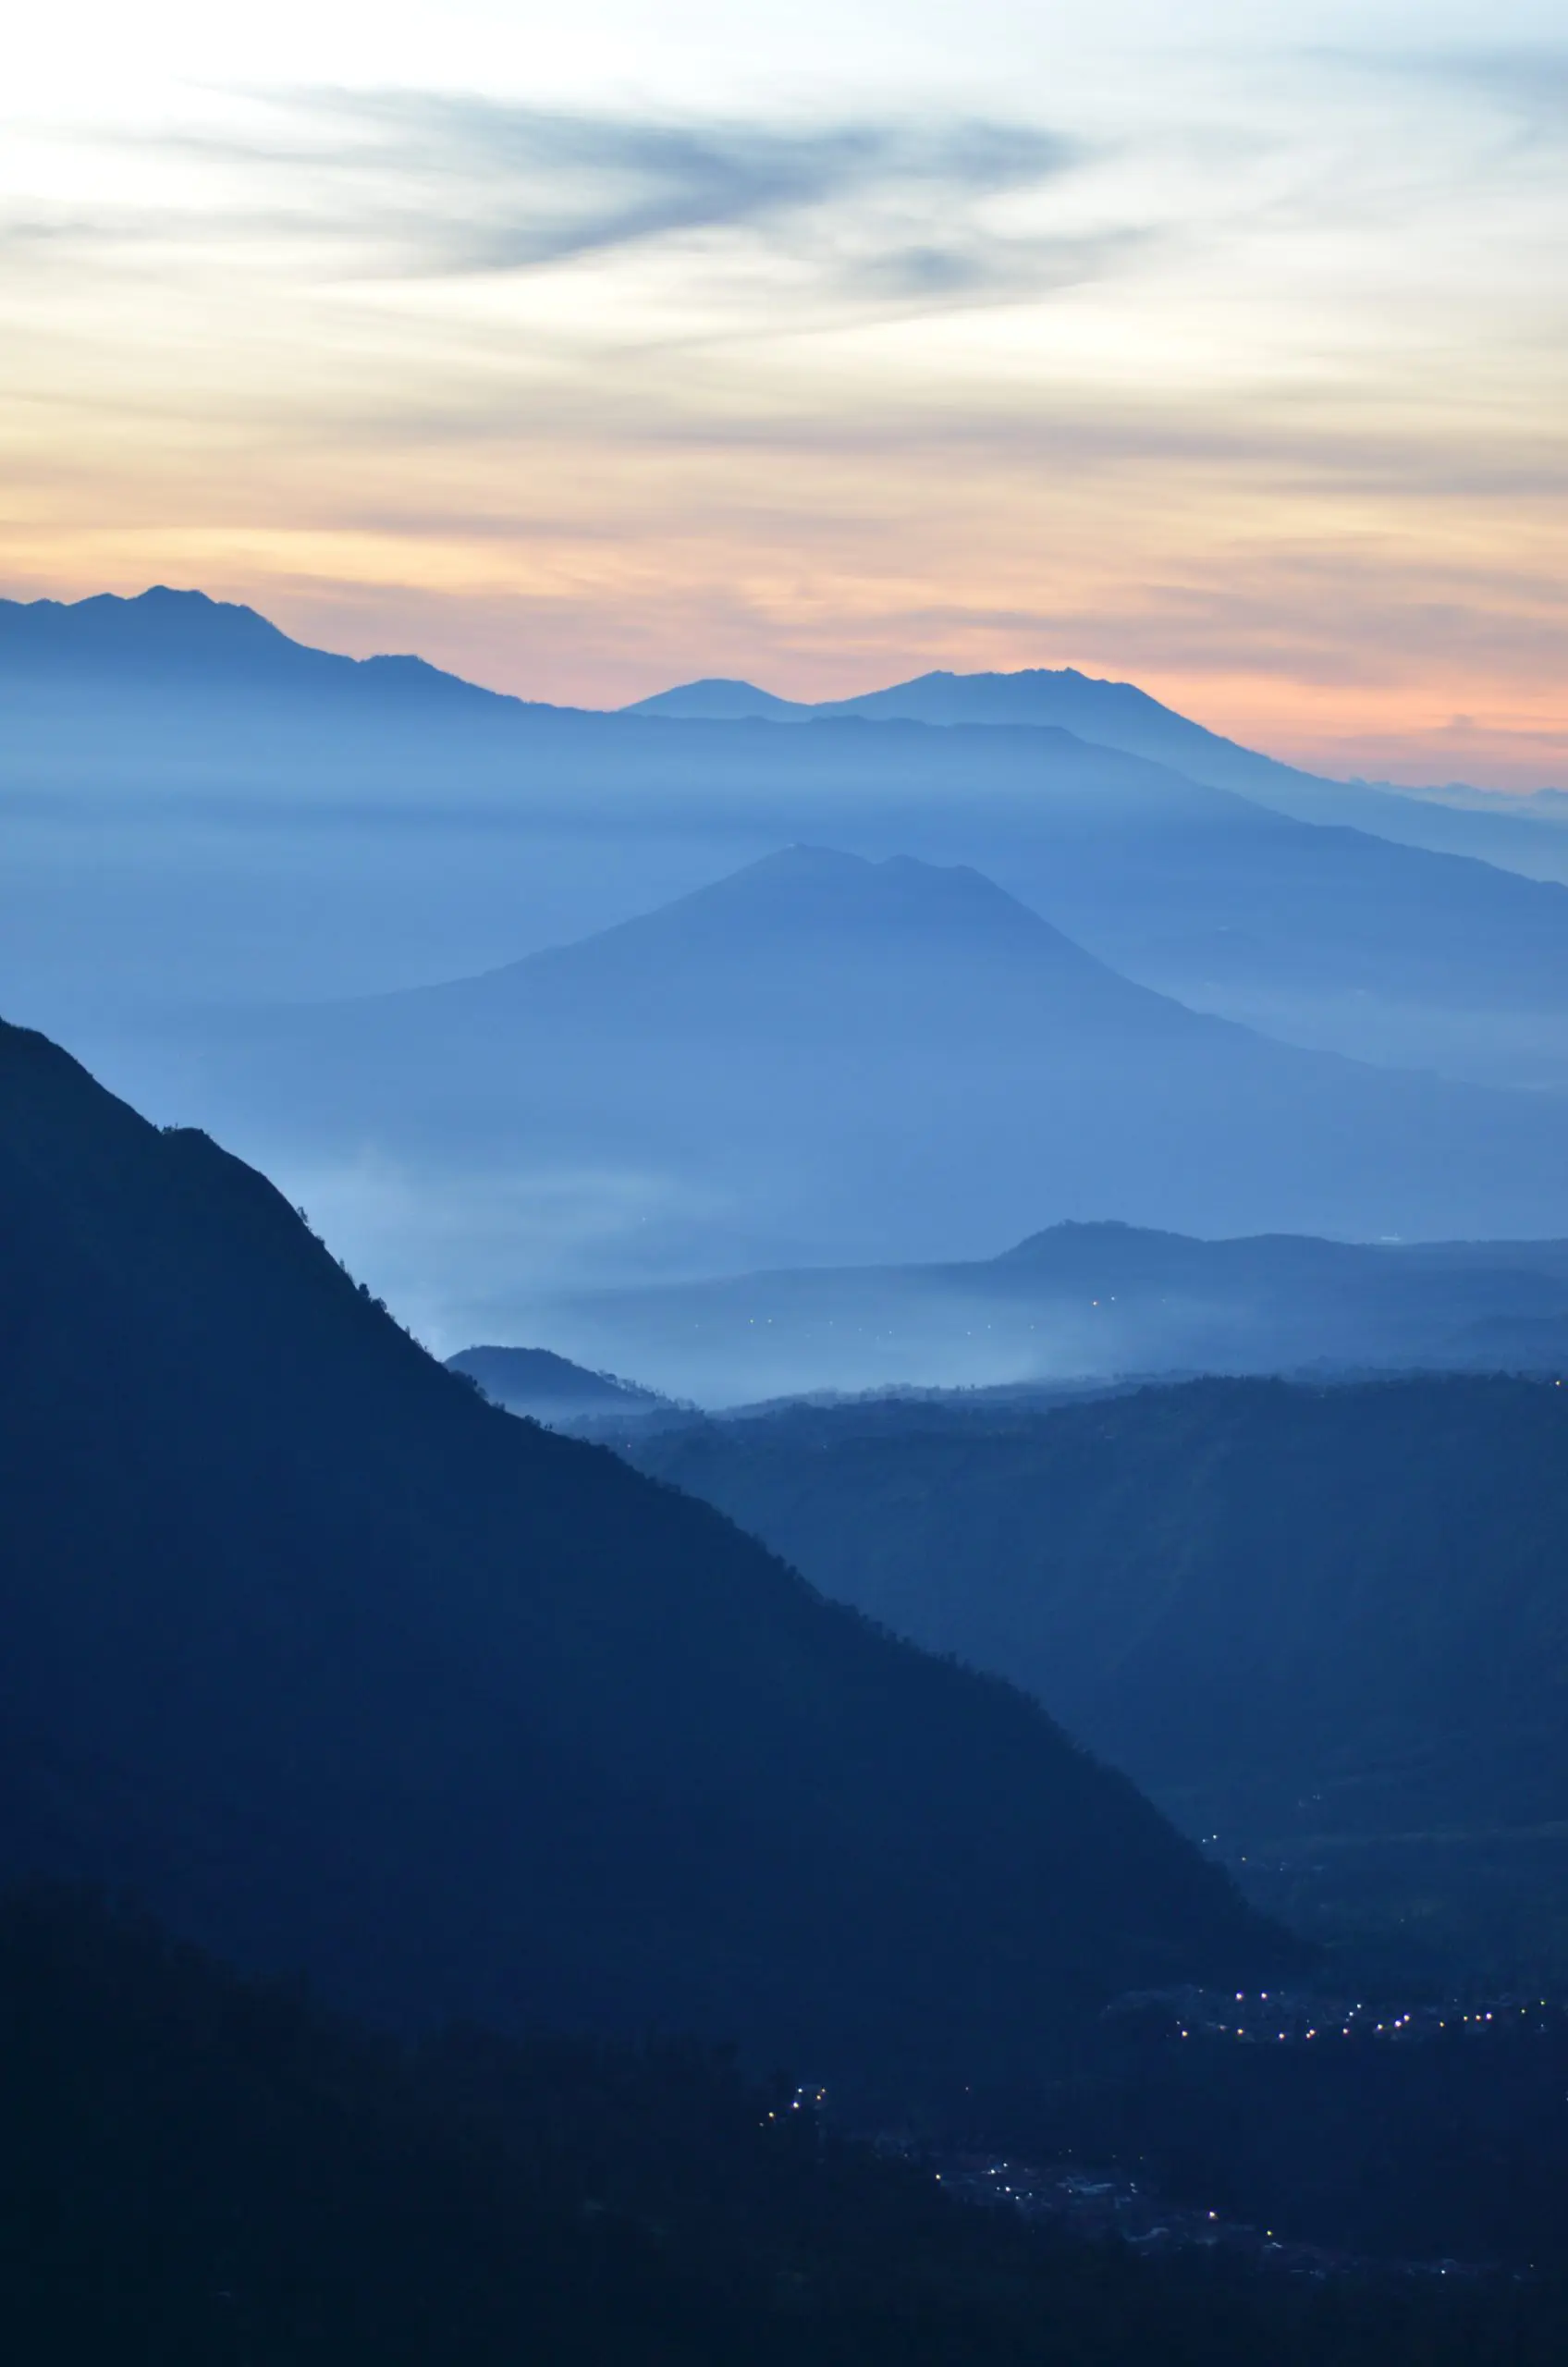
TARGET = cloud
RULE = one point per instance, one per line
(441, 185)
(1527, 85)
(769, 223)
(1531, 88)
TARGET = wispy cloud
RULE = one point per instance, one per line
(427, 184)
(1240, 360)
(1525, 85)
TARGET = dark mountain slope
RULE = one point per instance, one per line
(1284, 1609)
(827, 1057)
(340, 1666)
(197, 2171)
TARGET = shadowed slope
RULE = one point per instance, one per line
(199, 2170)
(1284, 1609)
(342, 1667)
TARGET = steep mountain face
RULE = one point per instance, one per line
(339, 1667)
(1286, 1610)
(1085, 1301)
(821, 1058)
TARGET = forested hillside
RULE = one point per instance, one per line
(199, 2172)
(344, 1669)
(1286, 1609)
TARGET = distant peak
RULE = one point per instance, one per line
(850, 897)
(802, 861)
(174, 604)
(808, 865)
(188, 640)
(187, 597)
(718, 698)
(1086, 1232)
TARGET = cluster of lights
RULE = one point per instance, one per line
(1393, 2026)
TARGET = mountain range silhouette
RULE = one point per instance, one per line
(438, 827)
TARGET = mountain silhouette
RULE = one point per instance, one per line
(1085, 1301)
(339, 1667)
(203, 808)
(1119, 715)
(166, 641)
(827, 1059)
(1110, 715)
(719, 698)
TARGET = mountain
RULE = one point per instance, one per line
(1110, 714)
(339, 1667)
(1119, 715)
(166, 642)
(822, 1058)
(245, 818)
(1324, 1625)
(718, 698)
(1082, 1301)
(549, 1388)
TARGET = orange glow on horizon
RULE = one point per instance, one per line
(1236, 367)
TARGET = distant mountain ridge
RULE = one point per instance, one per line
(173, 739)
(164, 636)
(1086, 1301)
(163, 639)
(1119, 715)
(1109, 714)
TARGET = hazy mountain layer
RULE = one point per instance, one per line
(192, 805)
(1080, 1300)
(1509, 831)
(337, 1666)
(823, 1059)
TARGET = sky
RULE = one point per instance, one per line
(589, 350)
